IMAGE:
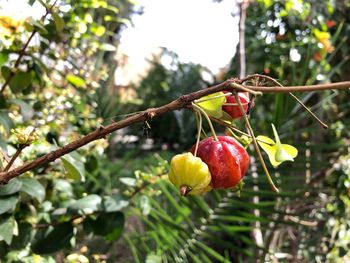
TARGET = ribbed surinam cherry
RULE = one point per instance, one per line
(234, 110)
(190, 174)
(226, 158)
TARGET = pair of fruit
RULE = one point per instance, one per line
(220, 164)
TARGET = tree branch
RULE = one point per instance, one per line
(182, 102)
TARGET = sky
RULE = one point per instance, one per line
(199, 31)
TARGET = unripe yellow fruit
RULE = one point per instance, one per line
(190, 174)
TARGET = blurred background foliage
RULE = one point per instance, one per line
(110, 201)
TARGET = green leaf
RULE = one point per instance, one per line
(3, 58)
(91, 163)
(50, 240)
(5, 72)
(75, 80)
(8, 203)
(24, 236)
(20, 81)
(7, 225)
(5, 121)
(59, 22)
(87, 204)
(13, 186)
(213, 104)
(276, 151)
(129, 181)
(107, 47)
(33, 188)
(114, 203)
(26, 110)
(38, 24)
(284, 152)
(74, 168)
(109, 225)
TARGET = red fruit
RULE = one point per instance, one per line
(234, 110)
(226, 158)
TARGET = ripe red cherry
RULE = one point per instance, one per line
(226, 158)
(234, 110)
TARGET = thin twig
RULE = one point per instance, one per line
(15, 156)
(325, 126)
(234, 129)
(22, 52)
(182, 102)
(274, 188)
(201, 111)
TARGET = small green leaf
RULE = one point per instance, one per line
(59, 22)
(107, 47)
(284, 152)
(33, 188)
(13, 186)
(8, 203)
(20, 81)
(7, 225)
(38, 24)
(114, 203)
(129, 181)
(213, 104)
(3, 58)
(87, 204)
(109, 225)
(5, 72)
(6, 121)
(74, 168)
(276, 151)
(47, 241)
(75, 80)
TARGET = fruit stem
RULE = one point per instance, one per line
(199, 129)
(324, 126)
(184, 190)
(234, 129)
(249, 127)
(208, 119)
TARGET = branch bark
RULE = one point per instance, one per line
(182, 102)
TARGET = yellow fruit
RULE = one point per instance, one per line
(190, 174)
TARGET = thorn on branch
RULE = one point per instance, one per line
(150, 114)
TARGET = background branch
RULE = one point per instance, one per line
(182, 102)
(22, 52)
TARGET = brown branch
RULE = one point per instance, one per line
(22, 52)
(15, 156)
(182, 102)
(287, 89)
